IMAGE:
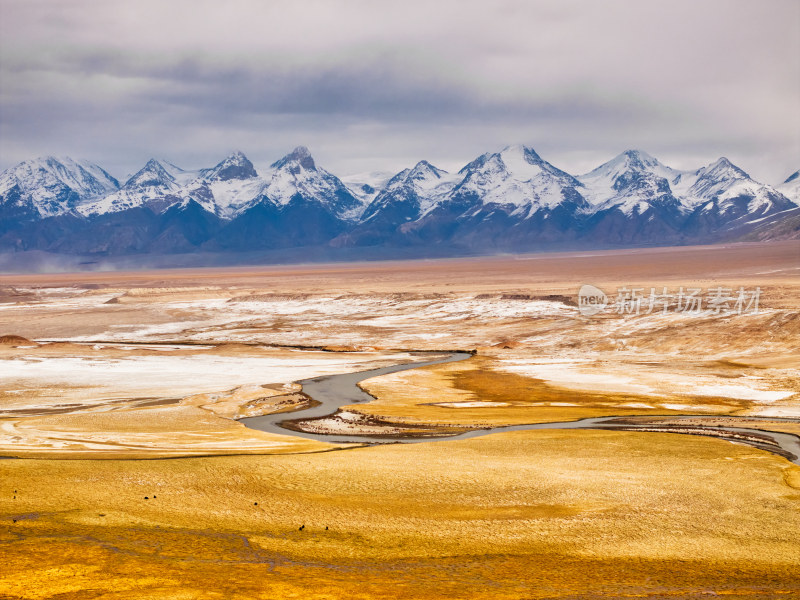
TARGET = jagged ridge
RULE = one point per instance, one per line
(507, 200)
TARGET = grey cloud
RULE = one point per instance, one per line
(382, 86)
(377, 83)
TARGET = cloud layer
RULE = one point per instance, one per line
(379, 85)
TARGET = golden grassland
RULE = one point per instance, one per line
(545, 514)
(535, 514)
(148, 433)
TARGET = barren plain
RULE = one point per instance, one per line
(131, 476)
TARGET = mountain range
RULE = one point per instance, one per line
(507, 201)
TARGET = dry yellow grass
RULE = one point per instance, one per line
(545, 514)
(537, 514)
(146, 433)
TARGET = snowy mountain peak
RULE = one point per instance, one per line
(409, 194)
(299, 158)
(517, 176)
(724, 188)
(425, 170)
(296, 178)
(717, 179)
(629, 161)
(515, 161)
(638, 159)
(423, 178)
(235, 167)
(511, 198)
(50, 186)
(82, 176)
(632, 182)
(524, 164)
(520, 151)
(153, 164)
(791, 187)
(153, 174)
(154, 182)
(300, 152)
(722, 168)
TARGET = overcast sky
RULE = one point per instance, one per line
(372, 85)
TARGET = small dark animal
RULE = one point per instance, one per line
(146, 498)
(302, 527)
(326, 529)
(255, 503)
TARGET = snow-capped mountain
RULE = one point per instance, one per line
(155, 181)
(728, 189)
(517, 177)
(631, 200)
(511, 200)
(231, 187)
(225, 189)
(236, 167)
(631, 182)
(49, 186)
(791, 187)
(411, 193)
(296, 204)
(405, 197)
(671, 205)
(726, 198)
(507, 199)
(634, 181)
(296, 178)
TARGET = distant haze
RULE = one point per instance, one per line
(373, 85)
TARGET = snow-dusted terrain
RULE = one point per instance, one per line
(157, 373)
